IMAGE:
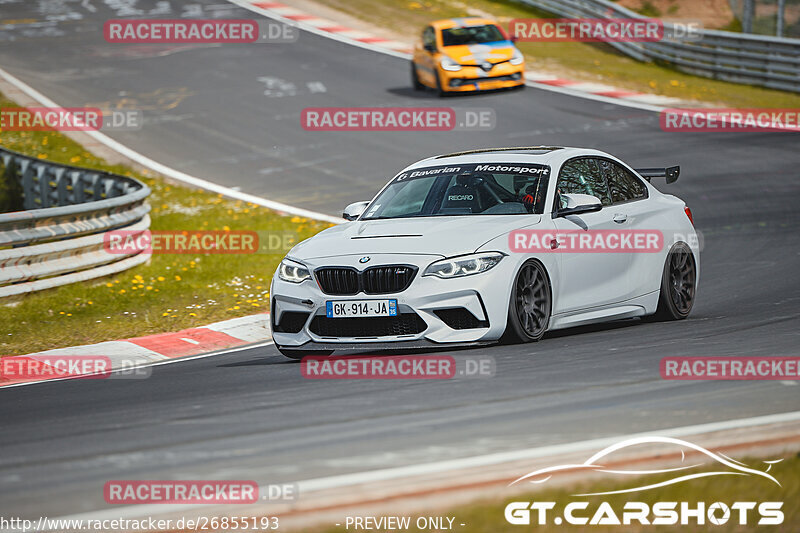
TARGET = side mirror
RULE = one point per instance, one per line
(577, 204)
(353, 211)
(429, 48)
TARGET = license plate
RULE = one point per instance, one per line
(491, 84)
(360, 308)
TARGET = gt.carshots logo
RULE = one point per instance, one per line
(696, 462)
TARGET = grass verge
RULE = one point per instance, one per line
(578, 61)
(488, 516)
(170, 292)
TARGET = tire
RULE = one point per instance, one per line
(439, 90)
(678, 284)
(292, 353)
(415, 79)
(529, 306)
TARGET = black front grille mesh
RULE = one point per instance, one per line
(291, 322)
(374, 280)
(384, 326)
(387, 279)
(460, 318)
(338, 280)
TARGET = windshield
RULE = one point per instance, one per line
(488, 33)
(475, 189)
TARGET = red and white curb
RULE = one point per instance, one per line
(138, 351)
(328, 28)
(306, 19)
(600, 89)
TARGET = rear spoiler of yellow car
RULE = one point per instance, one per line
(671, 173)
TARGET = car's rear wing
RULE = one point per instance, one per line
(671, 173)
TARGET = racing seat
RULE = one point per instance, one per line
(461, 198)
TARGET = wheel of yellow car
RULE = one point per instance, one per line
(415, 78)
(439, 90)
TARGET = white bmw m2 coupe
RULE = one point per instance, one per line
(486, 245)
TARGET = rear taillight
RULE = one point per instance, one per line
(689, 214)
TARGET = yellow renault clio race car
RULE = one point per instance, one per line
(466, 54)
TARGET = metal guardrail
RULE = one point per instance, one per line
(772, 62)
(58, 238)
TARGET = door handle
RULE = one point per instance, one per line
(619, 218)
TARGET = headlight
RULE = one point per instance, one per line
(465, 265)
(516, 58)
(293, 272)
(448, 64)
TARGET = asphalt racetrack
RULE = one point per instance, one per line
(231, 114)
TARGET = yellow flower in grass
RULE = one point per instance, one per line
(122, 291)
(177, 278)
(164, 314)
(160, 278)
(192, 314)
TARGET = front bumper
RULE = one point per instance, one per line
(420, 309)
(501, 76)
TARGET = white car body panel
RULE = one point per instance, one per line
(586, 287)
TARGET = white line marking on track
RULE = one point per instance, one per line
(170, 172)
(311, 485)
(155, 363)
